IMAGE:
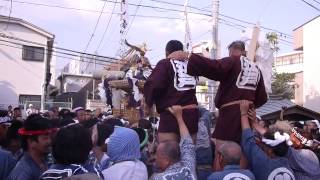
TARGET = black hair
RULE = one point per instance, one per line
(104, 132)
(89, 123)
(32, 123)
(12, 133)
(281, 149)
(238, 45)
(173, 45)
(16, 108)
(72, 145)
(114, 122)
(65, 113)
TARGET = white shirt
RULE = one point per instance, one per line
(126, 170)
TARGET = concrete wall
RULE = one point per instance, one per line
(18, 76)
(298, 38)
(298, 96)
(311, 83)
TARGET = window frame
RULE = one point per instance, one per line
(32, 49)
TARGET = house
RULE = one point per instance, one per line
(277, 108)
(304, 61)
(27, 66)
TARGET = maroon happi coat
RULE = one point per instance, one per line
(168, 85)
(239, 79)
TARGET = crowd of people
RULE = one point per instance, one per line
(187, 142)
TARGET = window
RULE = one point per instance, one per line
(31, 53)
(35, 100)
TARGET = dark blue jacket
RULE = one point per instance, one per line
(262, 166)
(7, 163)
(232, 172)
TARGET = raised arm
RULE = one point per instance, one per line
(177, 113)
(202, 66)
(187, 148)
(251, 150)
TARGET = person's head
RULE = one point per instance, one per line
(104, 131)
(48, 115)
(89, 114)
(229, 153)
(17, 113)
(275, 142)
(172, 46)
(13, 140)
(9, 108)
(5, 122)
(72, 145)
(81, 115)
(167, 153)
(36, 134)
(237, 48)
(55, 111)
(123, 145)
(98, 113)
(31, 106)
(114, 122)
(309, 127)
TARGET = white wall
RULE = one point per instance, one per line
(311, 83)
(18, 76)
(290, 68)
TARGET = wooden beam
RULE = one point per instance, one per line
(254, 42)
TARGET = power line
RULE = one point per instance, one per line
(9, 17)
(64, 57)
(95, 27)
(316, 1)
(134, 16)
(111, 59)
(223, 15)
(104, 33)
(156, 7)
(68, 52)
(311, 5)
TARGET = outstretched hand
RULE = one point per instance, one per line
(180, 55)
(176, 111)
(244, 106)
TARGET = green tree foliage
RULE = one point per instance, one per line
(272, 37)
(283, 85)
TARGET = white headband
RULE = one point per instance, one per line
(278, 139)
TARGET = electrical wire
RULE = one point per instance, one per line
(311, 5)
(9, 16)
(208, 13)
(107, 27)
(60, 56)
(316, 1)
(95, 27)
(134, 16)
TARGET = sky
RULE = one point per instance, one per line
(73, 28)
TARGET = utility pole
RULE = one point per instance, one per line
(214, 51)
